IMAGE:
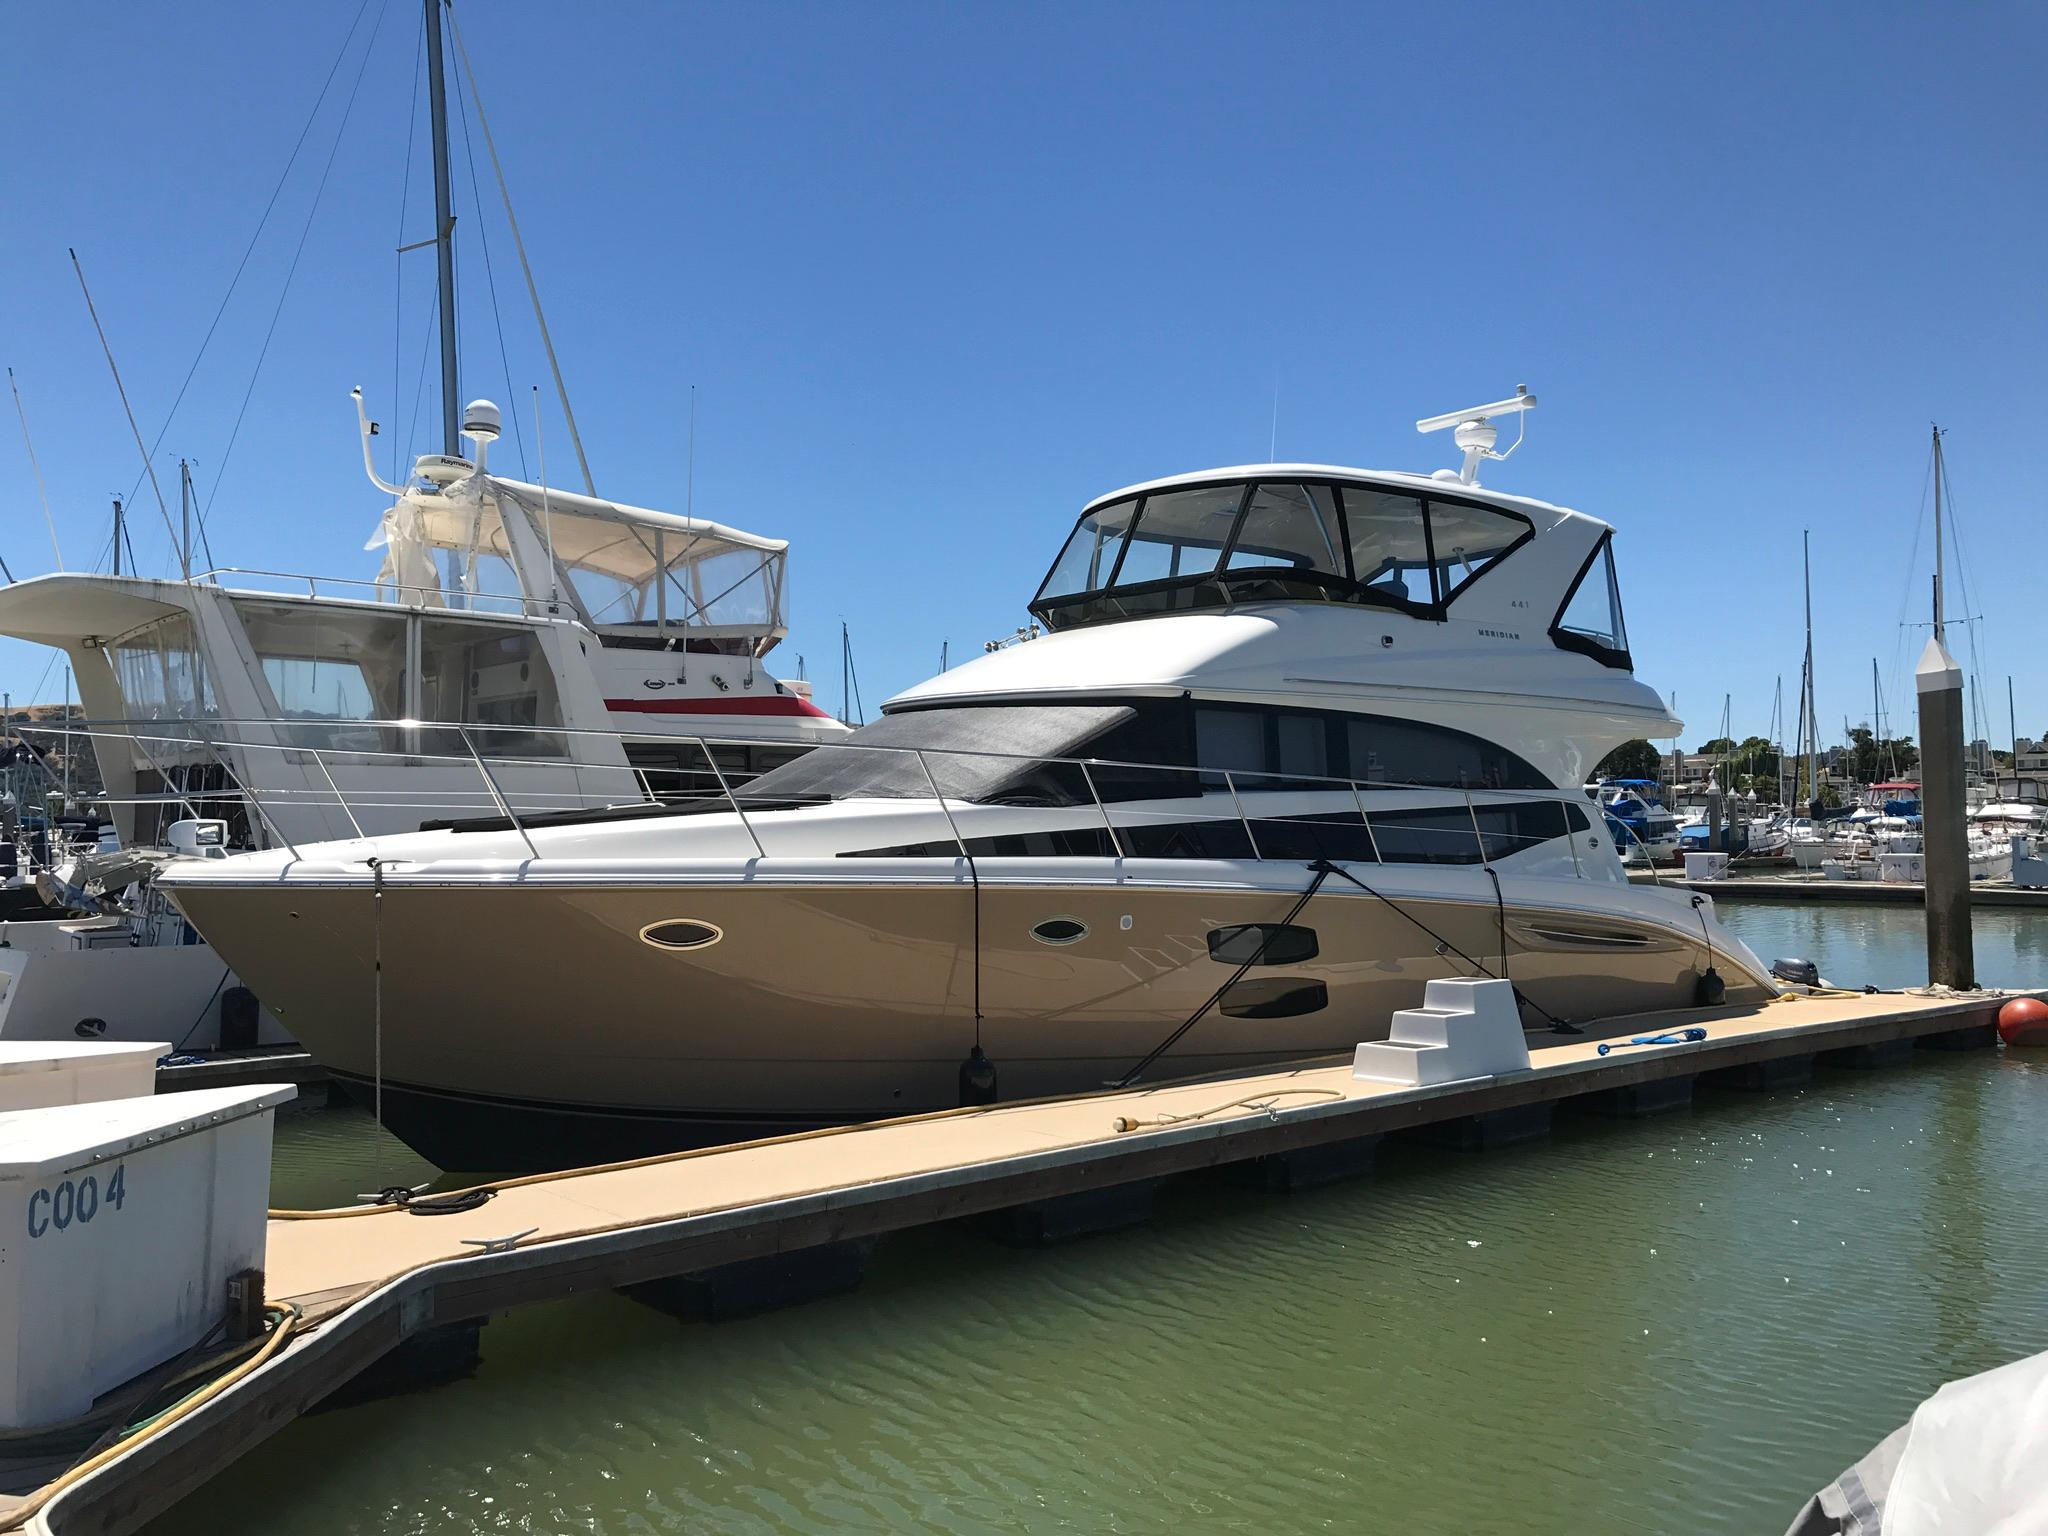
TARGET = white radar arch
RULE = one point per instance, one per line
(1476, 434)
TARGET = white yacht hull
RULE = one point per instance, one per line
(84, 981)
(831, 999)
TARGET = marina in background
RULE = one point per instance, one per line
(1284, 1039)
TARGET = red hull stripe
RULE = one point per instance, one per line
(769, 704)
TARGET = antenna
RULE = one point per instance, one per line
(690, 480)
(1476, 434)
(41, 489)
(368, 428)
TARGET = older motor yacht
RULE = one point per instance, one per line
(521, 648)
(1299, 739)
(555, 649)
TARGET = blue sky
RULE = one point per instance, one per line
(942, 273)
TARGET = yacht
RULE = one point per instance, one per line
(520, 649)
(552, 648)
(1298, 739)
(2018, 806)
(1644, 831)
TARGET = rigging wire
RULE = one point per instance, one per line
(1901, 659)
(299, 251)
(412, 422)
(249, 250)
(41, 490)
(122, 390)
(518, 244)
(1972, 615)
(483, 239)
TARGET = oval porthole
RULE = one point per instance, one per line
(1059, 930)
(681, 933)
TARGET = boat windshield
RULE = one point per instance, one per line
(1238, 541)
(985, 753)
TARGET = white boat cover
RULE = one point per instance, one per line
(1970, 1459)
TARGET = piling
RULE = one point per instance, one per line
(1939, 683)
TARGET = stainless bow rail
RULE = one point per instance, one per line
(506, 760)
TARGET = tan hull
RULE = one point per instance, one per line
(842, 1001)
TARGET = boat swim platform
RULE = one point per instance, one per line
(376, 1285)
(1805, 886)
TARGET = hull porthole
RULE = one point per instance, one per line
(1059, 930)
(681, 933)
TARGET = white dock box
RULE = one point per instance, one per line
(1706, 866)
(35, 1074)
(119, 1226)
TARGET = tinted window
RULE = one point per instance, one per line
(1290, 526)
(1304, 745)
(1592, 613)
(1389, 552)
(1386, 751)
(1262, 944)
(1084, 565)
(976, 752)
(1507, 830)
(1426, 836)
(1430, 835)
(1233, 739)
(1467, 539)
(1181, 533)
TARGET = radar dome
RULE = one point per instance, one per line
(481, 421)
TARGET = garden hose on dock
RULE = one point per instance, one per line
(287, 1319)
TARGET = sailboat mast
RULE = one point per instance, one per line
(1811, 723)
(444, 232)
(1938, 626)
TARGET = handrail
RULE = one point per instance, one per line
(1116, 843)
(504, 805)
(712, 758)
(422, 589)
(387, 794)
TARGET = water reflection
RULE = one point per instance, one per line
(1886, 946)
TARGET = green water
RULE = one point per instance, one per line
(1681, 1324)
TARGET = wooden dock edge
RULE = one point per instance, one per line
(148, 1479)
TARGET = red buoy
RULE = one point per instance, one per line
(2024, 1021)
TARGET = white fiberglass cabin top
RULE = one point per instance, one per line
(520, 625)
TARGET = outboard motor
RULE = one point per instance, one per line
(1803, 973)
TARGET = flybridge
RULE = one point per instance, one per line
(613, 566)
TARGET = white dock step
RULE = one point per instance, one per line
(1466, 1027)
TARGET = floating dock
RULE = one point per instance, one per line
(382, 1293)
(235, 1069)
(1816, 887)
